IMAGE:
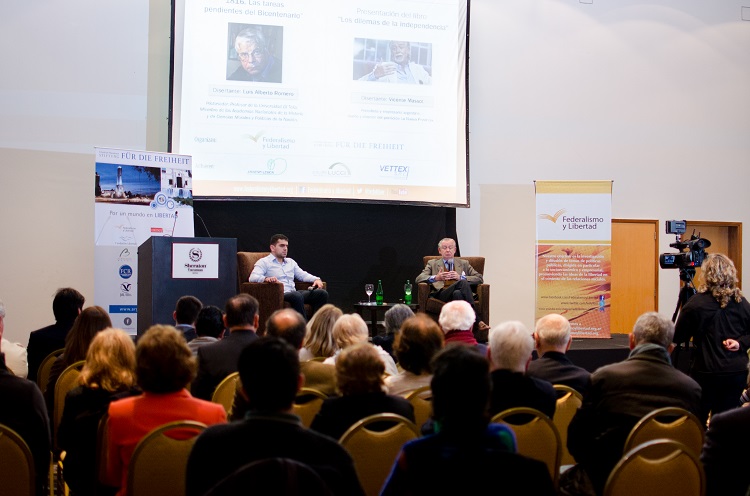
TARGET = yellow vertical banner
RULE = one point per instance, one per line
(574, 254)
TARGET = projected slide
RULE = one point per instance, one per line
(332, 99)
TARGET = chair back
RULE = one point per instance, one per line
(476, 262)
(246, 261)
(568, 403)
(374, 452)
(669, 423)
(159, 462)
(101, 449)
(307, 404)
(646, 471)
(536, 435)
(68, 380)
(42, 375)
(17, 467)
(421, 400)
(270, 477)
(225, 390)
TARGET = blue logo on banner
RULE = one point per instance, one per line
(123, 308)
(126, 271)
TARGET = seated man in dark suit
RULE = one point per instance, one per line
(466, 449)
(451, 279)
(218, 360)
(66, 306)
(622, 393)
(185, 314)
(552, 339)
(270, 376)
(509, 352)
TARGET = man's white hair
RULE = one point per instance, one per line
(457, 315)
(511, 345)
(553, 330)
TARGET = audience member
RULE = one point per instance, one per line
(270, 376)
(24, 411)
(184, 315)
(164, 367)
(552, 339)
(457, 319)
(510, 351)
(218, 360)
(351, 329)
(15, 353)
(319, 340)
(209, 326)
(450, 278)
(621, 394)
(466, 448)
(717, 319)
(418, 341)
(66, 306)
(359, 378)
(107, 375)
(278, 268)
(725, 457)
(393, 318)
(87, 324)
(289, 325)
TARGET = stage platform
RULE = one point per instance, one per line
(593, 353)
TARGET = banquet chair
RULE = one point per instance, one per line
(225, 391)
(673, 423)
(270, 295)
(421, 400)
(159, 462)
(307, 404)
(536, 436)
(374, 452)
(647, 471)
(432, 306)
(568, 403)
(17, 473)
(42, 376)
(68, 380)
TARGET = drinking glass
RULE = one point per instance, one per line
(369, 288)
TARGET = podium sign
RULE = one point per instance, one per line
(169, 268)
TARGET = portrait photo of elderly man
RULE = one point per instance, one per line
(256, 48)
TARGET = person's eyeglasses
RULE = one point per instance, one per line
(257, 53)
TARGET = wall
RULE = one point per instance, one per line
(650, 95)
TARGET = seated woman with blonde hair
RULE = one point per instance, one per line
(107, 375)
(319, 340)
(351, 329)
(359, 380)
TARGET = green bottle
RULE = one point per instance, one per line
(379, 294)
(407, 292)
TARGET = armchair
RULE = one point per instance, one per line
(432, 306)
(270, 296)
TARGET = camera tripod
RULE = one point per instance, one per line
(686, 291)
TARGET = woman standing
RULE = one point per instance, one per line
(718, 321)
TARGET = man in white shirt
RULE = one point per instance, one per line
(15, 353)
(278, 268)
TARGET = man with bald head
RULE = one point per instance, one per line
(552, 340)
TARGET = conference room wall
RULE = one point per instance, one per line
(652, 96)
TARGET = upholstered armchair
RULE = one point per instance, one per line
(270, 295)
(432, 306)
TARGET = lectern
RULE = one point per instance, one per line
(169, 268)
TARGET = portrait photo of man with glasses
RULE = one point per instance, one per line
(257, 49)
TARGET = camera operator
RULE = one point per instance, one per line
(717, 318)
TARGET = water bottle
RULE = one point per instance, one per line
(379, 294)
(407, 292)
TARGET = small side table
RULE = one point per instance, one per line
(369, 312)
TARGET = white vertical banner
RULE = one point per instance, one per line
(137, 194)
(574, 241)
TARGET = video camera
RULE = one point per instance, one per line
(692, 251)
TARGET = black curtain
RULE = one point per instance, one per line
(345, 244)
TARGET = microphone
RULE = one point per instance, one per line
(204, 224)
(174, 224)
